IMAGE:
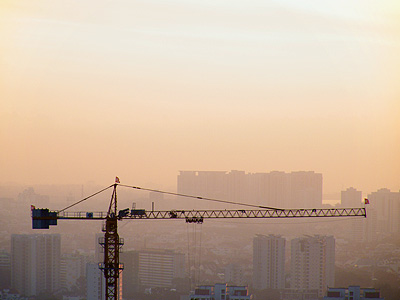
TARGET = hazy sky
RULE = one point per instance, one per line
(141, 89)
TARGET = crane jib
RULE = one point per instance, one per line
(43, 218)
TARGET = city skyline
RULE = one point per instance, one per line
(234, 246)
(11, 189)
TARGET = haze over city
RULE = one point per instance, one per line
(143, 89)
(287, 104)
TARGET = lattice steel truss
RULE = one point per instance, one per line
(228, 213)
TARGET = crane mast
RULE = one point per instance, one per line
(112, 243)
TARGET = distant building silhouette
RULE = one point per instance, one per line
(312, 263)
(356, 226)
(35, 263)
(387, 206)
(277, 189)
(268, 262)
(28, 196)
(359, 229)
(351, 198)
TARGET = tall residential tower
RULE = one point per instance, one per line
(312, 263)
(35, 263)
(269, 262)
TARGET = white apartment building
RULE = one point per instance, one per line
(35, 263)
(269, 262)
(95, 282)
(312, 263)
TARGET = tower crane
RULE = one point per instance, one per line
(43, 218)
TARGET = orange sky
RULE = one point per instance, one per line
(142, 89)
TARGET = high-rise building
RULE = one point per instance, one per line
(351, 198)
(387, 206)
(35, 263)
(312, 263)
(212, 184)
(5, 270)
(131, 282)
(272, 188)
(370, 228)
(157, 268)
(95, 282)
(306, 189)
(357, 227)
(269, 262)
(236, 185)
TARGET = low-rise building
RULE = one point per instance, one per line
(7, 294)
(220, 291)
(352, 293)
(299, 294)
